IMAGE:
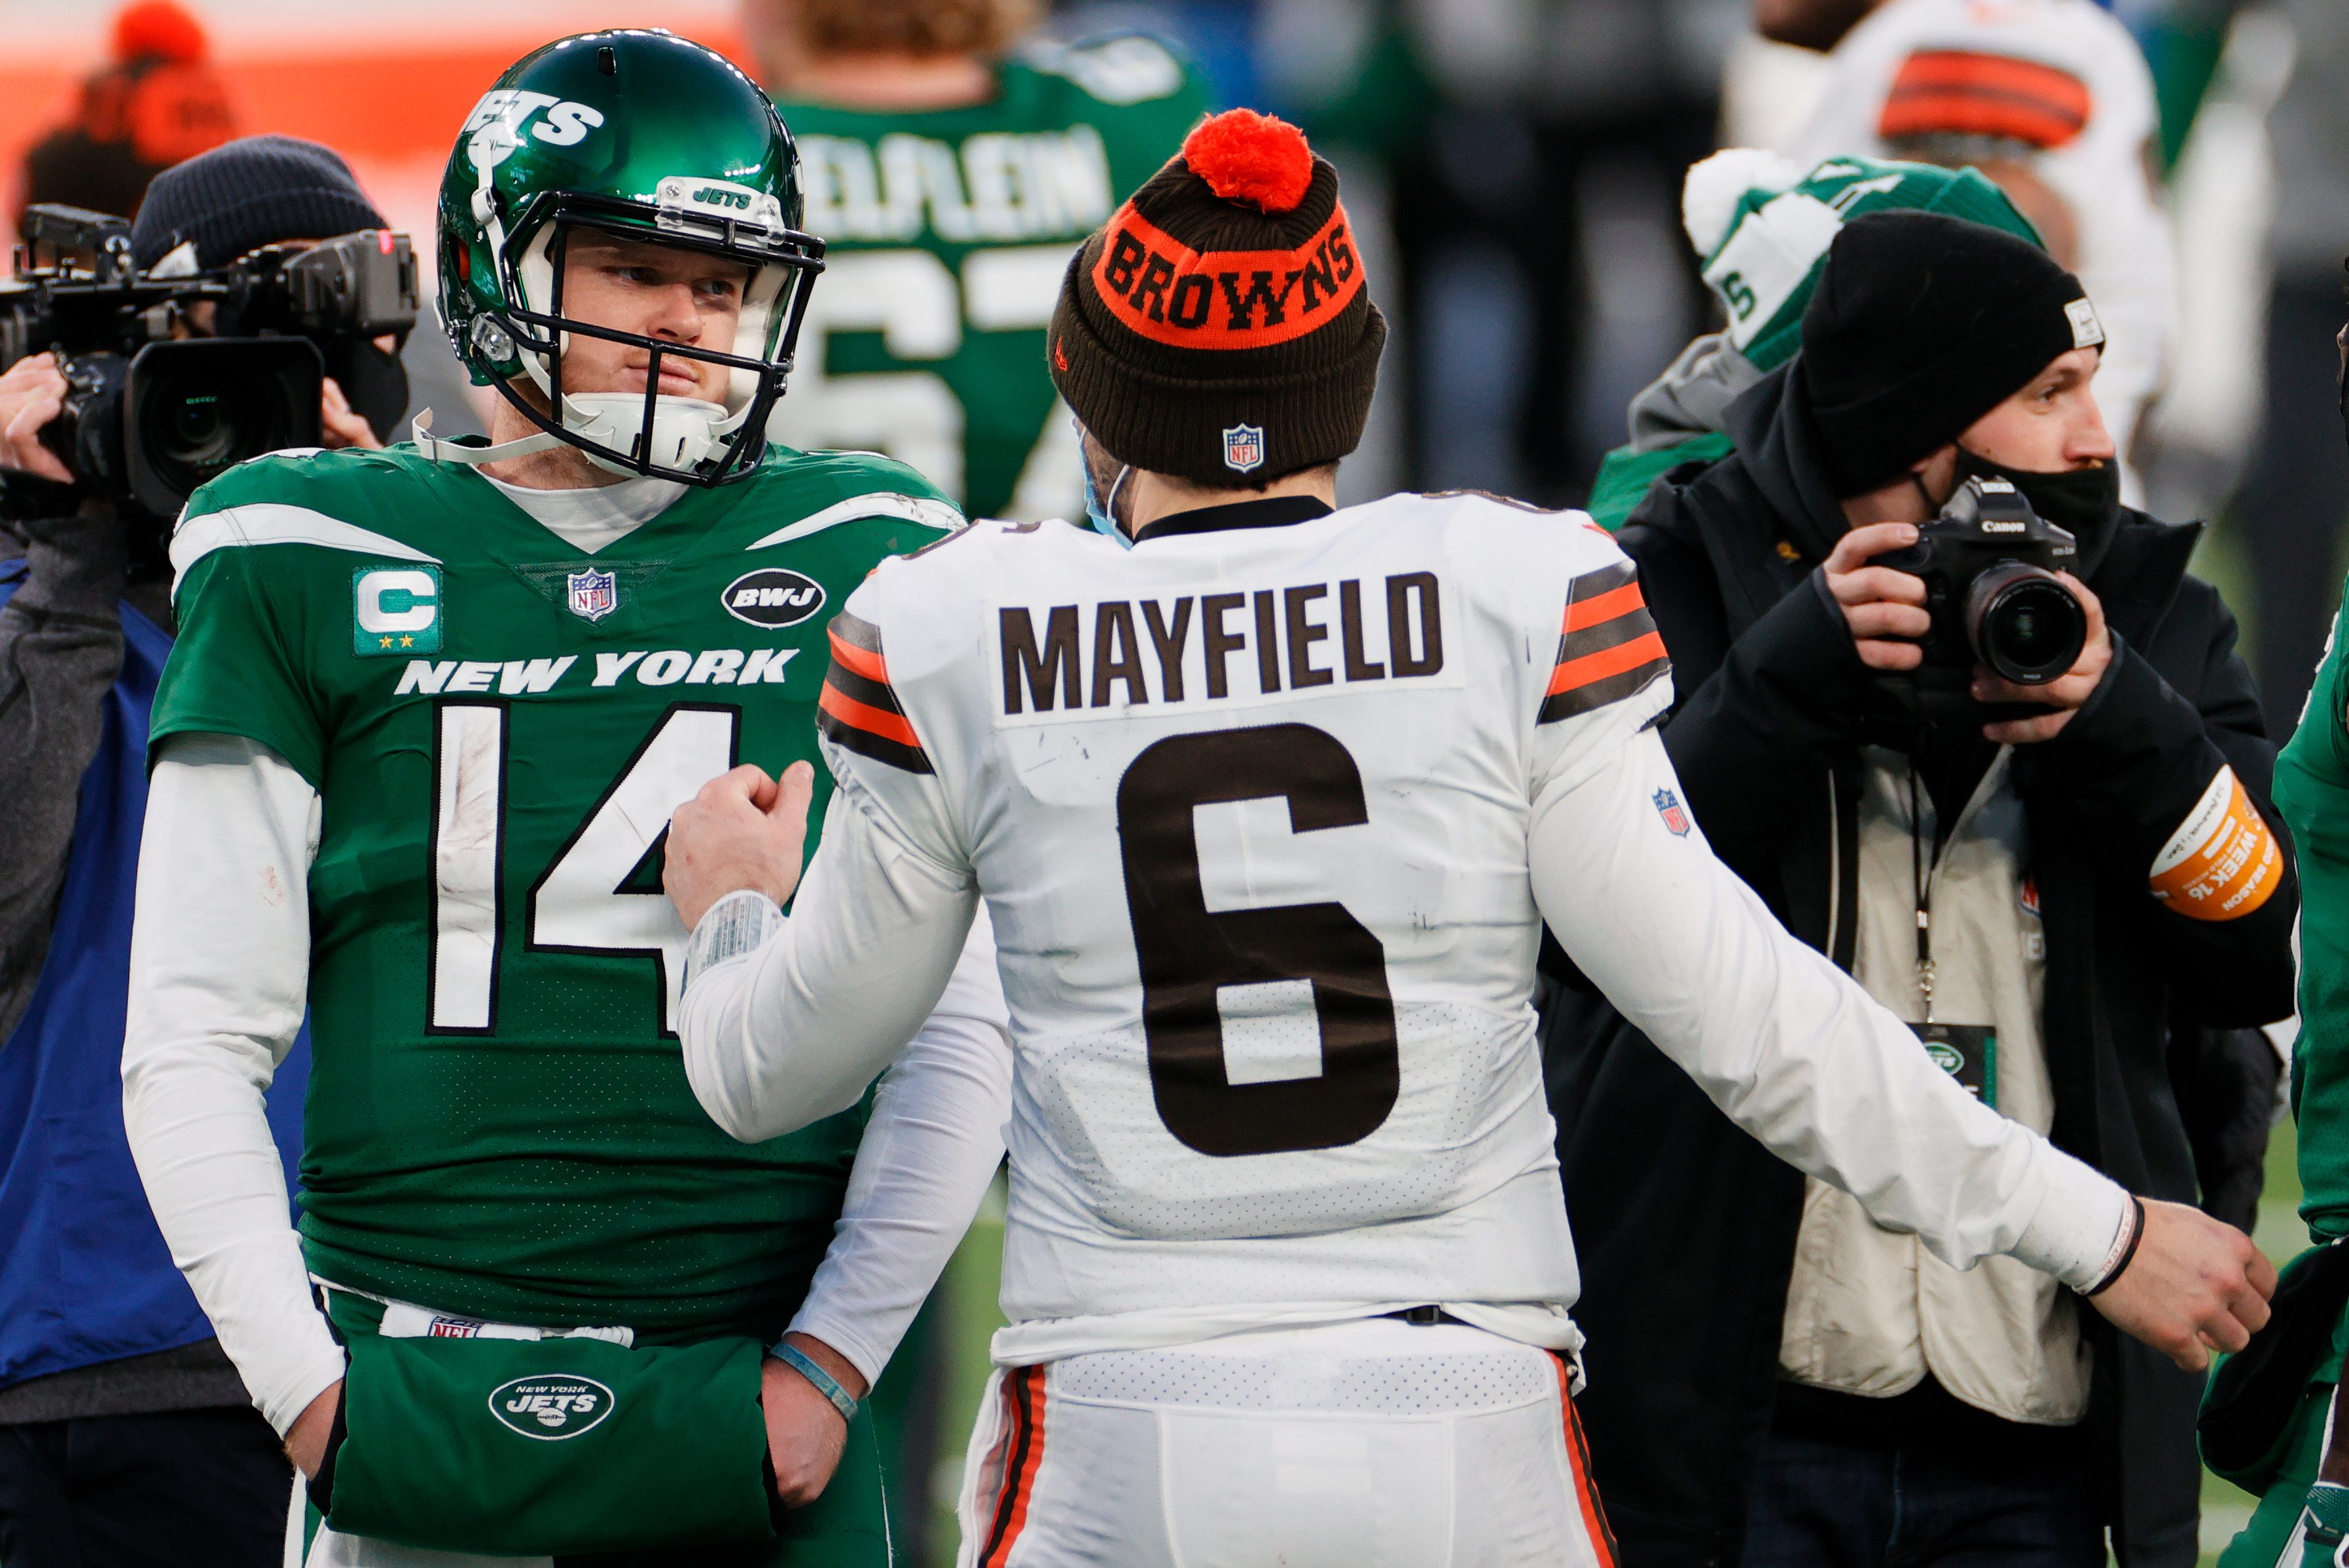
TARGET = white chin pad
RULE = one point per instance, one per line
(685, 430)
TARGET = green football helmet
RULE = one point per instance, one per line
(643, 135)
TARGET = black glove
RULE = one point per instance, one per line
(29, 498)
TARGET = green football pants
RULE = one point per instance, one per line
(572, 1451)
(2272, 1539)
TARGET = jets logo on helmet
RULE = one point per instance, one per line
(496, 124)
(641, 136)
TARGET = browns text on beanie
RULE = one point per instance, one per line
(243, 195)
(1920, 324)
(1216, 327)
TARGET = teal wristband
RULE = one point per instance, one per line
(2328, 1505)
(800, 1362)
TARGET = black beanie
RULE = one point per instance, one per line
(1920, 324)
(1217, 327)
(243, 195)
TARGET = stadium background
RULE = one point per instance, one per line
(1514, 167)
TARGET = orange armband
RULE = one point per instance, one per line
(2223, 862)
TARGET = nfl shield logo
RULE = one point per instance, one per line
(594, 594)
(1668, 807)
(1243, 448)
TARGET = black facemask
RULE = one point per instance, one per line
(2080, 502)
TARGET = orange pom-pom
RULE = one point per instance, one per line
(1245, 156)
(157, 27)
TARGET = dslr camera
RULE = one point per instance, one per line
(150, 414)
(1989, 564)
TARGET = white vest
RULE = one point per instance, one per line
(1870, 1310)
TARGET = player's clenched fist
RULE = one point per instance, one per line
(743, 830)
(2196, 1284)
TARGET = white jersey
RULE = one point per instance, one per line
(1267, 819)
(2059, 85)
(1305, 1010)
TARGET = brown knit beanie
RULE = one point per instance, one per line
(1216, 327)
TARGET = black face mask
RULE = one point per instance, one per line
(2080, 501)
(374, 383)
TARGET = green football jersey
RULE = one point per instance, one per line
(499, 726)
(2312, 791)
(946, 234)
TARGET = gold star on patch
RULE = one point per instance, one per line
(383, 643)
(406, 641)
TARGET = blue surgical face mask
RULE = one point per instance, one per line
(1098, 507)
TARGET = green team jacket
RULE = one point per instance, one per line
(497, 1122)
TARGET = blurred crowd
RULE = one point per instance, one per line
(1522, 164)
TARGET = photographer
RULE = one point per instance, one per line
(2040, 877)
(125, 1434)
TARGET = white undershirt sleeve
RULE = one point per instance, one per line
(929, 1151)
(220, 961)
(793, 1031)
(1789, 1047)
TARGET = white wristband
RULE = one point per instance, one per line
(734, 927)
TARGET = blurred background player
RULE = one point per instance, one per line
(2051, 98)
(951, 178)
(2295, 490)
(155, 102)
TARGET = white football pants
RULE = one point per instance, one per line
(1376, 1444)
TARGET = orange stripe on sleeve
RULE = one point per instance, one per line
(1961, 91)
(1586, 613)
(864, 717)
(1607, 662)
(864, 661)
(1995, 73)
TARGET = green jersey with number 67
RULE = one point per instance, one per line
(499, 726)
(947, 233)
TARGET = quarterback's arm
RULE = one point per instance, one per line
(786, 1019)
(220, 959)
(928, 1153)
(1789, 1047)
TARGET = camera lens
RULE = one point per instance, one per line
(2024, 624)
(200, 415)
(201, 431)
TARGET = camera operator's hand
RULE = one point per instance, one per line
(2195, 1286)
(1885, 608)
(32, 392)
(2065, 694)
(341, 425)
